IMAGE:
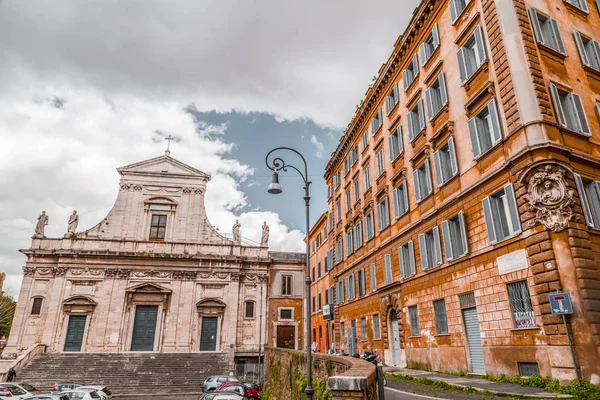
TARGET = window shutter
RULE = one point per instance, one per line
(559, 41)
(474, 137)
(405, 193)
(596, 52)
(429, 101)
(392, 147)
(447, 240)
(422, 121)
(396, 203)
(437, 246)
(387, 260)
(496, 128)
(558, 110)
(462, 66)
(438, 168)
(582, 118)
(373, 277)
(583, 200)
(423, 52)
(454, 13)
(387, 105)
(598, 5)
(373, 127)
(396, 94)
(405, 80)
(489, 220)
(423, 249)
(379, 118)
(428, 178)
(453, 161)
(513, 207)
(537, 28)
(411, 258)
(400, 139)
(581, 48)
(583, 6)
(443, 90)
(415, 63)
(480, 45)
(463, 233)
(436, 36)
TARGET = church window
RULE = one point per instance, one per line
(286, 285)
(249, 309)
(158, 227)
(36, 308)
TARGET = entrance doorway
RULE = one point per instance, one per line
(75, 331)
(144, 328)
(286, 337)
(395, 337)
(208, 336)
(474, 341)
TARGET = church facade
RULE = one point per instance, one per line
(154, 275)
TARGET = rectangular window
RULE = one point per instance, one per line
(158, 226)
(348, 200)
(329, 260)
(376, 122)
(589, 51)
(365, 140)
(286, 285)
(472, 55)
(546, 31)
(339, 252)
(346, 166)
(416, 120)
(520, 303)
(376, 328)
(395, 142)
(527, 369)
(286, 314)
(400, 197)
(373, 277)
(369, 226)
(356, 191)
(581, 4)
(387, 260)
(358, 235)
(432, 42)
(569, 110)
(436, 96)
(338, 206)
(501, 214)
(361, 283)
(349, 243)
(36, 308)
(414, 320)
(454, 231)
(363, 328)
(340, 292)
(406, 254)
(336, 180)
(422, 182)
(367, 172)
(350, 288)
(457, 7)
(319, 301)
(383, 214)
(446, 166)
(485, 130)
(343, 332)
(441, 321)
(431, 249)
(589, 196)
(392, 100)
(380, 162)
(409, 75)
(319, 269)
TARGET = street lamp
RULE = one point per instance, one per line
(275, 188)
(259, 331)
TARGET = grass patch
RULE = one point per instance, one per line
(579, 391)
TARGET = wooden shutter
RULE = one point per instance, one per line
(387, 260)
(582, 5)
(581, 49)
(447, 241)
(581, 117)
(422, 121)
(423, 52)
(429, 100)
(463, 233)
(559, 41)
(496, 128)
(428, 178)
(439, 174)
(558, 109)
(437, 246)
(373, 277)
(454, 12)
(513, 207)
(417, 185)
(400, 139)
(405, 80)
(403, 270)
(411, 258)
(489, 220)
(535, 23)
(396, 200)
(444, 91)
(587, 213)
(435, 33)
(425, 262)
(474, 137)
(405, 193)
(480, 45)
(453, 160)
(415, 62)
(462, 65)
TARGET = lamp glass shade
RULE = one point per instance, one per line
(275, 187)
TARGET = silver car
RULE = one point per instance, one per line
(213, 382)
(58, 396)
(12, 392)
(77, 394)
(221, 396)
(103, 391)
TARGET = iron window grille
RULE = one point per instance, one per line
(441, 320)
(520, 302)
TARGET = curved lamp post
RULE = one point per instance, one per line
(275, 165)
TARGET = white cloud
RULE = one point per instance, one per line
(319, 147)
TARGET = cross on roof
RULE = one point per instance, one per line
(168, 139)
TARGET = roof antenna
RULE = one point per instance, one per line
(168, 139)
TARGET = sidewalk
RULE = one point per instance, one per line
(477, 383)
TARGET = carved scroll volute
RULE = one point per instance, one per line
(549, 197)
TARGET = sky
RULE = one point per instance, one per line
(87, 87)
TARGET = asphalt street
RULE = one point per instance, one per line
(395, 394)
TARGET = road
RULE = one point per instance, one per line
(395, 394)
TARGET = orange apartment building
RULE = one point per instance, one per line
(466, 190)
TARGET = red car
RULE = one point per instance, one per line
(237, 387)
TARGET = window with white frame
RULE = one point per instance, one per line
(400, 197)
(336, 180)
(369, 226)
(339, 251)
(432, 42)
(589, 196)
(348, 200)
(383, 214)
(362, 288)
(376, 327)
(329, 260)
(392, 99)
(546, 31)
(454, 231)
(436, 96)
(373, 277)
(349, 243)
(441, 319)
(581, 4)
(472, 55)
(569, 110)
(416, 120)
(350, 288)
(485, 130)
(363, 328)
(520, 303)
(286, 285)
(358, 235)
(501, 214)
(356, 191)
(422, 181)
(387, 263)
(406, 254)
(395, 142)
(410, 74)
(367, 173)
(365, 140)
(457, 7)
(589, 50)
(340, 292)
(338, 206)
(329, 191)
(413, 314)
(431, 249)
(444, 159)
(376, 122)
(346, 166)
(354, 155)
(286, 313)
(380, 162)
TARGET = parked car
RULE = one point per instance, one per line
(12, 392)
(62, 386)
(103, 391)
(221, 396)
(213, 382)
(77, 394)
(242, 388)
(30, 389)
(58, 396)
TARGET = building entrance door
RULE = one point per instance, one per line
(395, 337)
(286, 337)
(474, 341)
(208, 337)
(144, 328)
(75, 331)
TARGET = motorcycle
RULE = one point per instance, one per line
(374, 359)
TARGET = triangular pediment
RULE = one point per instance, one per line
(163, 165)
(147, 287)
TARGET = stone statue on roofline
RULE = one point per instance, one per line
(72, 224)
(264, 239)
(41, 226)
(237, 235)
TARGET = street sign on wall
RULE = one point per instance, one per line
(560, 303)
(328, 312)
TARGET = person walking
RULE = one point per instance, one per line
(11, 375)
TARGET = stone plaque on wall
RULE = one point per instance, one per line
(511, 262)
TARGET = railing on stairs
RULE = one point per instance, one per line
(23, 360)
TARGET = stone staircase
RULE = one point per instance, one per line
(127, 373)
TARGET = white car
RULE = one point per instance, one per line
(103, 391)
(50, 396)
(77, 394)
(13, 392)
